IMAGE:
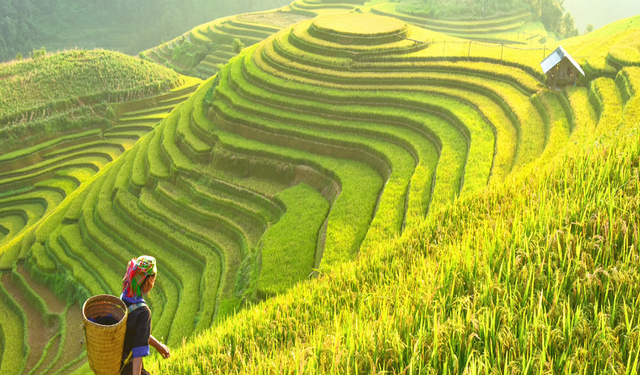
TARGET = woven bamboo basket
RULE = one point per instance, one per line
(104, 343)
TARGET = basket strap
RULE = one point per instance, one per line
(124, 363)
(131, 308)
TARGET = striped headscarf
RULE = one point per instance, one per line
(137, 272)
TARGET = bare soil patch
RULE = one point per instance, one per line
(54, 304)
(280, 19)
(51, 355)
(74, 344)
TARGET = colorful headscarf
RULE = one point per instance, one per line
(137, 272)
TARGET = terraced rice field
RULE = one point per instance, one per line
(404, 137)
(609, 49)
(36, 184)
(200, 51)
(322, 140)
(517, 28)
(313, 8)
(297, 134)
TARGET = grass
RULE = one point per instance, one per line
(311, 8)
(250, 224)
(139, 173)
(456, 10)
(84, 277)
(585, 119)
(14, 334)
(170, 151)
(425, 192)
(627, 54)
(351, 212)
(23, 152)
(157, 167)
(532, 292)
(464, 119)
(559, 128)
(12, 222)
(229, 195)
(608, 105)
(399, 161)
(64, 185)
(195, 144)
(35, 203)
(359, 25)
(76, 74)
(198, 51)
(49, 319)
(286, 258)
(94, 234)
(504, 29)
(127, 228)
(43, 261)
(61, 164)
(301, 37)
(218, 253)
(74, 243)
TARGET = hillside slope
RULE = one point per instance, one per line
(117, 25)
(439, 194)
(537, 275)
(35, 93)
(69, 116)
(542, 276)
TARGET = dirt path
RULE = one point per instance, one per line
(54, 304)
(74, 344)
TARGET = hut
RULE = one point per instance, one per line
(561, 69)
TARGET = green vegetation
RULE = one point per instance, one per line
(237, 45)
(553, 16)
(338, 176)
(288, 252)
(462, 9)
(13, 323)
(201, 51)
(71, 91)
(550, 12)
(118, 25)
(86, 75)
(42, 101)
(540, 260)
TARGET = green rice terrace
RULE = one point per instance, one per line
(357, 190)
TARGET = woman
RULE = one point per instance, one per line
(138, 281)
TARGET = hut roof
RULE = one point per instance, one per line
(557, 56)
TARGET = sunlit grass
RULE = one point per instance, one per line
(541, 278)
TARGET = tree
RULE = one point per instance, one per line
(8, 28)
(39, 53)
(237, 45)
(589, 29)
(568, 26)
(551, 15)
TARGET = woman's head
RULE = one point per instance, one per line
(140, 276)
